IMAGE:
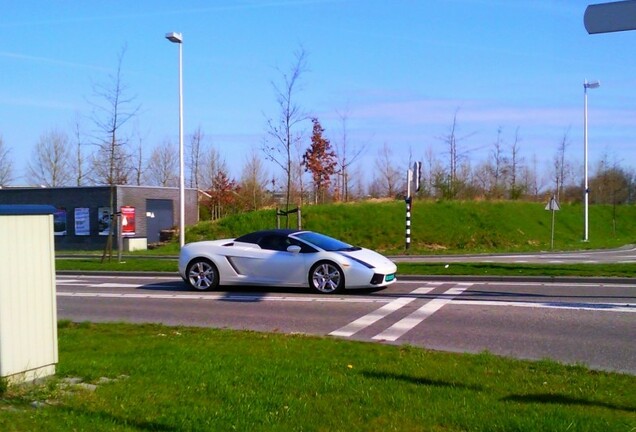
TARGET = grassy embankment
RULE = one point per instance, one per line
(437, 228)
(150, 377)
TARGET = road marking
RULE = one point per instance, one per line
(224, 297)
(608, 307)
(78, 278)
(365, 321)
(599, 307)
(406, 324)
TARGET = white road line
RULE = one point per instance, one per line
(223, 297)
(598, 307)
(75, 278)
(602, 307)
(111, 285)
(404, 325)
(365, 321)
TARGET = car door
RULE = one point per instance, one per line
(272, 264)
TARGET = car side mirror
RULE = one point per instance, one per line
(294, 249)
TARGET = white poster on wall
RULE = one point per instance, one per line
(82, 222)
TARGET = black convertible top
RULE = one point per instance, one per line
(254, 237)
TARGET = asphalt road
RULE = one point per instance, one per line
(590, 323)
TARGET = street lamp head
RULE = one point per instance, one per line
(174, 37)
(591, 84)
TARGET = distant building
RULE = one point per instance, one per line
(82, 217)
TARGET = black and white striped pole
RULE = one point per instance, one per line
(413, 177)
(408, 199)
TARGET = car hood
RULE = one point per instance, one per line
(370, 257)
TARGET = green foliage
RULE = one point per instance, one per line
(447, 226)
(151, 377)
(127, 265)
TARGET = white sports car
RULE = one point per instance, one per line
(289, 258)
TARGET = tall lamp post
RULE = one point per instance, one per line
(178, 39)
(586, 191)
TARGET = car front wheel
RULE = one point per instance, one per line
(202, 275)
(326, 278)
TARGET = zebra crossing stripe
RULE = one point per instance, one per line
(365, 321)
(398, 329)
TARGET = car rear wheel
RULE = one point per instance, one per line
(202, 275)
(326, 278)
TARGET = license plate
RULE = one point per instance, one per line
(390, 277)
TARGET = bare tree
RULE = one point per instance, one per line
(253, 184)
(562, 167)
(51, 161)
(163, 165)
(79, 159)
(6, 164)
(282, 132)
(346, 156)
(211, 165)
(137, 162)
(138, 167)
(449, 182)
(516, 163)
(532, 184)
(434, 170)
(194, 161)
(387, 175)
(114, 110)
(610, 185)
(498, 166)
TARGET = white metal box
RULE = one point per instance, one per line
(28, 315)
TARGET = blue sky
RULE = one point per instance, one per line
(399, 69)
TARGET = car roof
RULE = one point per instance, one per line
(254, 237)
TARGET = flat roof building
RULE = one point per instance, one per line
(82, 216)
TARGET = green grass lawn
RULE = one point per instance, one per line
(193, 379)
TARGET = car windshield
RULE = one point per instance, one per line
(325, 242)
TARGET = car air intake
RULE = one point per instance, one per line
(377, 279)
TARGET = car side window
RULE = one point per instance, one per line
(304, 247)
(274, 242)
(281, 243)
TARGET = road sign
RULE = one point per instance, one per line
(610, 17)
(553, 205)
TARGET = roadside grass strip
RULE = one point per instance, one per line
(124, 377)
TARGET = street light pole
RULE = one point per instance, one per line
(586, 191)
(178, 39)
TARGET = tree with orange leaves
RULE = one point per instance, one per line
(320, 161)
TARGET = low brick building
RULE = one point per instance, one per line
(81, 220)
